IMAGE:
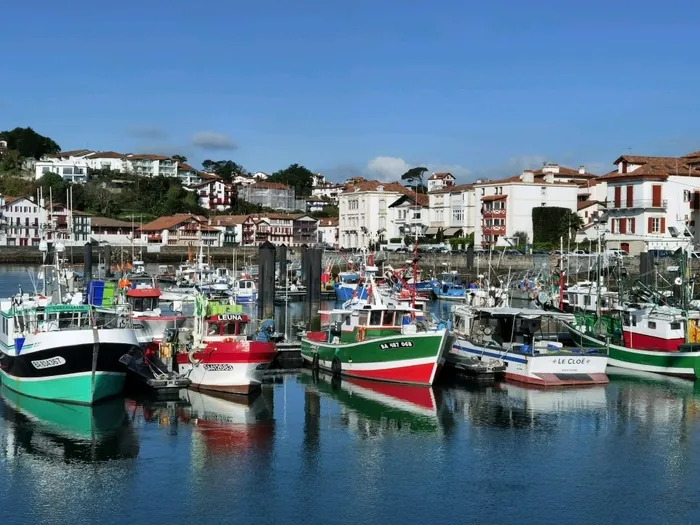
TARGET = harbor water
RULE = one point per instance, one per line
(309, 449)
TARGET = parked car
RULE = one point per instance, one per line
(512, 252)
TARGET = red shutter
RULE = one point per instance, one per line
(630, 195)
(618, 196)
(650, 225)
(623, 225)
(695, 203)
(663, 225)
(656, 196)
(632, 225)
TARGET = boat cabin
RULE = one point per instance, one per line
(226, 325)
(658, 328)
(143, 299)
(352, 325)
(166, 270)
(348, 278)
(583, 297)
(138, 268)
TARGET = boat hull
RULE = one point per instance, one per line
(401, 358)
(559, 369)
(58, 366)
(235, 368)
(681, 364)
(246, 299)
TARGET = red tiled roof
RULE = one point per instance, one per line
(228, 220)
(586, 204)
(166, 223)
(440, 176)
(490, 198)
(208, 176)
(106, 155)
(148, 156)
(10, 200)
(71, 153)
(658, 168)
(183, 166)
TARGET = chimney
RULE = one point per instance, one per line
(528, 176)
(581, 170)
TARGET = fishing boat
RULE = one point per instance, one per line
(647, 337)
(449, 288)
(244, 291)
(349, 286)
(511, 335)
(220, 356)
(63, 352)
(377, 341)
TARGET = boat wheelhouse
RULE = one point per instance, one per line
(244, 291)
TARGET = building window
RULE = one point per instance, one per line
(655, 224)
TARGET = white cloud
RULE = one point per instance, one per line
(391, 168)
(212, 141)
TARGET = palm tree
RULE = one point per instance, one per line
(574, 224)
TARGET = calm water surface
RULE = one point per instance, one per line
(313, 450)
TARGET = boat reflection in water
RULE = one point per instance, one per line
(509, 405)
(372, 408)
(227, 424)
(65, 432)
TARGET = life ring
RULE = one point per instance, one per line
(190, 356)
(361, 333)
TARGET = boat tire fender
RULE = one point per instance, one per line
(314, 363)
(336, 368)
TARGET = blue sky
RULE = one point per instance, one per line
(347, 88)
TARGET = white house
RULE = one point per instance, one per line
(231, 227)
(328, 231)
(408, 216)
(437, 181)
(652, 202)
(364, 212)
(506, 205)
(260, 176)
(187, 174)
(24, 221)
(330, 192)
(244, 180)
(213, 194)
(72, 166)
(147, 165)
(112, 231)
(182, 229)
(453, 210)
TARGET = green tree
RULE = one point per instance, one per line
(10, 161)
(29, 143)
(327, 211)
(297, 177)
(414, 177)
(226, 169)
(574, 224)
(521, 238)
(180, 158)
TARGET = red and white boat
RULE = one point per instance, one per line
(222, 358)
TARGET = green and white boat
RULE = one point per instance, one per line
(650, 338)
(377, 341)
(69, 353)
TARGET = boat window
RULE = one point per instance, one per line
(651, 325)
(347, 320)
(388, 319)
(213, 329)
(363, 318)
(675, 325)
(398, 319)
(231, 329)
(375, 317)
(138, 304)
(586, 300)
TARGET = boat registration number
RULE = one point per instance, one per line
(219, 368)
(48, 363)
(396, 344)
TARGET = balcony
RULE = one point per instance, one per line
(644, 204)
(489, 213)
(494, 230)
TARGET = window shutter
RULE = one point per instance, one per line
(632, 225)
(623, 225)
(695, 204)
(650, 225)
(663, 225)
(630, 195)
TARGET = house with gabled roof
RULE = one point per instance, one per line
(438, 181)
(181, 229)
